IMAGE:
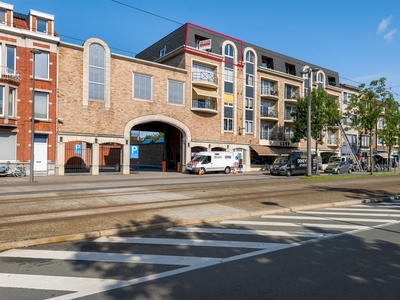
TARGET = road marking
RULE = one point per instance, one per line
(249, 232)
(372, 205)
(348, 214)
(284, 224)
(107, 257)
(184, 242)
(328, 219)
(361, 209)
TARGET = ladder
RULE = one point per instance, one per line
(350, 149)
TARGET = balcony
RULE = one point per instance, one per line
(8, 75)
(209, 105)
(268, 113)
(288, 117)
(206, 79)
(269, 93)
(332, 141)
(292, 97)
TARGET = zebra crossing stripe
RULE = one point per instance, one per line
(182, 242)
(349, 214)
(284, 224)
(362, 209)
(107, 257)
(329, 219)
(249, 232)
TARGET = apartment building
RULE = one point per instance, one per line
(27, 41)
(242, 94)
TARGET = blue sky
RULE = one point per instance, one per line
(360, 39)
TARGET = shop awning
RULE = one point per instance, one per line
(205, 92)
(273, 151)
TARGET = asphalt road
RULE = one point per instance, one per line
(348, 252)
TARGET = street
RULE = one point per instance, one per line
(333, 253)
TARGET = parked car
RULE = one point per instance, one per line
(338, 167)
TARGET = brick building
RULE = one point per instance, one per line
(26, 39)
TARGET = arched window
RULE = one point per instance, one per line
(249, 57)
(229, 50)
(96, 71)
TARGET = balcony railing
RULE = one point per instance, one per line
(268, 113)
(332, 141)
(292, 95)
(207, 77)
(288, 116)
(209, 104)
(268, 91)
(269, 136)
(9, 74)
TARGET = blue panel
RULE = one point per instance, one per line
(40, 138)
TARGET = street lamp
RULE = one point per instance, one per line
(309, 71)
(32, 159)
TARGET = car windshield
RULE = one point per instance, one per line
(333, 164)
(198, 158)
(334, 159)
(281, 160)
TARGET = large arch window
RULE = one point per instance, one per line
(96, 71)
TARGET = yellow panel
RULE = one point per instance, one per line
(228, 98)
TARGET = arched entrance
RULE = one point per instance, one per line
(167, 151)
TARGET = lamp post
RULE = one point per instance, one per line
(309, 71)
(32, 159)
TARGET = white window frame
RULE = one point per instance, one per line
(3, 16)
(228, 51)
(142, 86)
(39, 105)
(97, 72)
(11, 102)
(175, 92)
(162, 51)
(228, 75)
(250, 57)
(41, 22)
(42, 65)
(248, 126)
(10, 62)
(228, 124)
(2, 100)
(249, 103)
(249, 80)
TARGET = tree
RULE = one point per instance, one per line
(324, 113)
(365, 109)
(154, 136)
(389, 133)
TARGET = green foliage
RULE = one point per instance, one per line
(154, 136)
(324, 113)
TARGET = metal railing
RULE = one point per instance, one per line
(205, 77)
(206, 104)
(268, 113)
(9, 74)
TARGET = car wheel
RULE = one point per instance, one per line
(203, 171)
(227, 170)
(288, 173)
(338, 171)
(349, 171)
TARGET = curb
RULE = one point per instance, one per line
(115, 231)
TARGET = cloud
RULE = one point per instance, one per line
(384, 24)
(388, 36)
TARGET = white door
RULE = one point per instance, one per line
(40, 153)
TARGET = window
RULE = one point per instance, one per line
(229, 50)
(175, 92)
(267, 62)
(365, 141)
(2, 16)
(289, 133)
(249, 79)
(288, 113)
(267, 88)
(249, 103)
(267, 131)
(10, 53)
(8, 144)
(41, 25)
(41, 105)
(11, 102)
(379, 141)
(291, 92)
(204, 74)
(381, 123)
(249, 57)
(96, 71)
(162, 51)
(320, 80)
(331, 138)
(228, 124)
(42, 65)
(1, 100)
(142, 87)
(290, 69)
(228, 74)
(249, 126)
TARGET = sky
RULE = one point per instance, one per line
(359, 39)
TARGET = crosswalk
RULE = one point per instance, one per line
(177, 250)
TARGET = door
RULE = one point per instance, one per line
(40, 153)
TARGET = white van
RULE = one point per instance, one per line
(214, 161)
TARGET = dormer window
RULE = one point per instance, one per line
(2, 16)
(41, 25)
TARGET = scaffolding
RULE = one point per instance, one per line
(353, 156)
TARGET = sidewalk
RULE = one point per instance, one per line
(65, 208)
